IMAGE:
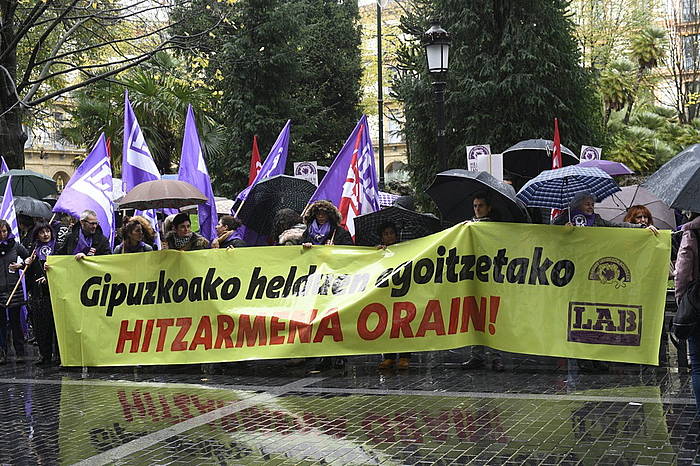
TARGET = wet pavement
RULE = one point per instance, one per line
(538, 411)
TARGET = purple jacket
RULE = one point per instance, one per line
(687, 259)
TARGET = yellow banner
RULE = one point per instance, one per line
(592, 293)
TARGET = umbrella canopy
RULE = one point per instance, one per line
(386, 199)
(453, 191)
(162, 194)
(28, 183)
(614, 208)
(608, 166)
(410, 225)
(527, 159)
(271, 195)
(32, 207)
(677, 182)
(223, 206)
(554, 189)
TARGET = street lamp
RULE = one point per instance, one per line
(437, 50)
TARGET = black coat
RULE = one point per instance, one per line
(99, 242)
(9, 252)
(341, 236)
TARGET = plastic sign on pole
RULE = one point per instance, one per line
(307, 171)
(590, 153)
(492, 164)
(473, 153)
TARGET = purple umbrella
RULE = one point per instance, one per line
(608, 166)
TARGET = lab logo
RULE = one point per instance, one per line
(579, 220)
(473, 153)
(590, 153)
(605, 324)
(610, 271)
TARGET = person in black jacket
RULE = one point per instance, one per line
(11, 257)
(86, 238)
(323, 227)
(226, 234)
(43, 243)
(134, 240)
(322, 221)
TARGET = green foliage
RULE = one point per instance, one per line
(284, 59)
(648, 47)
(616, 85)
(514, 66)
(652, 137)
(159, 93)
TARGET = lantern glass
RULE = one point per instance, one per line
(438, 55)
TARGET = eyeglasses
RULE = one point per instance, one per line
(91, 223)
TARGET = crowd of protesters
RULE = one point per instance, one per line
(320, 226)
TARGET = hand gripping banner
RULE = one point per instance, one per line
(592, 293)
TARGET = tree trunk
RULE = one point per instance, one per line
(12, 135)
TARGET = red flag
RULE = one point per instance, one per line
(556, 158)
(109, 148)
(350, 201)
(255, 164)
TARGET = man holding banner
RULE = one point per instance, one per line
(86, 239)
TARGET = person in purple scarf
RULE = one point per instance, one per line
(581, 212)
(12, 254)
(228, 234)
(323, 227)
(132, 233)
(86, 238)
(43, 244)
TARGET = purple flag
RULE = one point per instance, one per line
(91, 188)
(137, 163)
(3, 166)
(351, 181)
(7, 213)
(194, 171)
(275, 162)
(7, 209)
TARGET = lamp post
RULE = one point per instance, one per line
(437, 50)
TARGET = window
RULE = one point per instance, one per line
(691, 50)
(689, 11)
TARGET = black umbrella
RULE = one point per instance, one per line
(273, 194)
(677, 182)
(410, 225)
(453, 191)
(527, 159)
(31, 207)
(28, 183)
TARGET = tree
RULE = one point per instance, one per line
(514, 66)
(49, 49)
(604, 28)
(616, 87)
(279, 60)
(159, 91)
(647, 50)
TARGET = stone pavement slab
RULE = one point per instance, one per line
(538, 411)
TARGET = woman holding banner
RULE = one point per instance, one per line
(322, 221)
(182, 238)
(389, 234)
(323, 227)
(12, 255)
(43, 245)
(688, 270)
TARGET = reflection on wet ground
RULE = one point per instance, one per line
(538, 411)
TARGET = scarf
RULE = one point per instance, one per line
(180, 242)
(84, 243)
(580, 219)
(6, 242)
(138, 248)
(44, 250)
(319, 234)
